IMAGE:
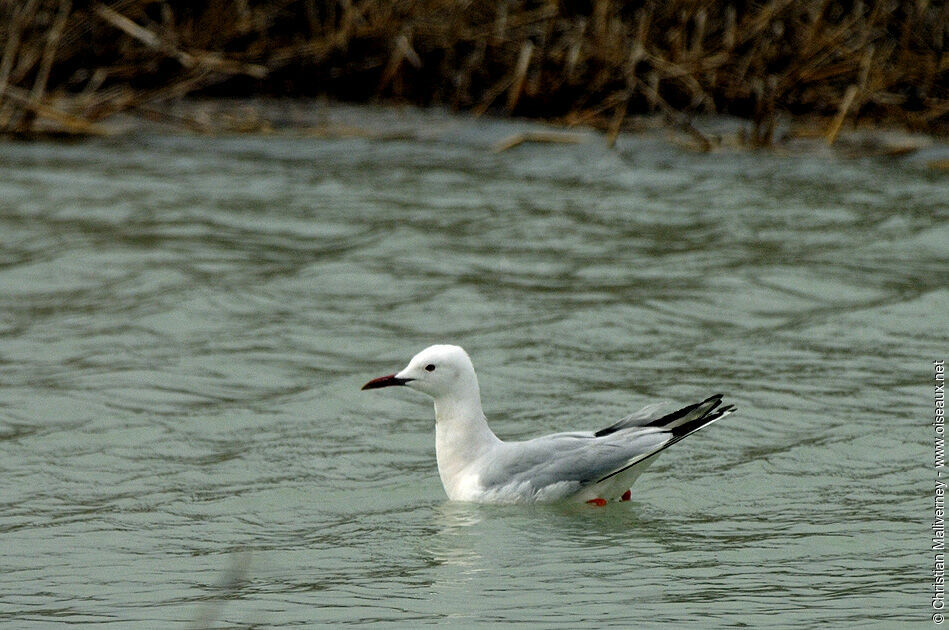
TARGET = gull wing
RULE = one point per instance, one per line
(679, 425)
(564, 463)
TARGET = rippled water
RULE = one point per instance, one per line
(185, 323)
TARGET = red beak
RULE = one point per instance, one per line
(385, 381)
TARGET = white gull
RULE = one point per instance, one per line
(591, 466)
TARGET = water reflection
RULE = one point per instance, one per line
(454, 543)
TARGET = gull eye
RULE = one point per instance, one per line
(430, 367)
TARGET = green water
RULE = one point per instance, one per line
(185, 323)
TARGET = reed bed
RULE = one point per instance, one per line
(66, 66)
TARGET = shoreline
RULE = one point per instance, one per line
(324, 118)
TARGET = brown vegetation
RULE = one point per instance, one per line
(65, 66)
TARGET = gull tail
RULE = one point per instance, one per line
(690, 419)
(680, 424)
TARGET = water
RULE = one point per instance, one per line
(185, 323)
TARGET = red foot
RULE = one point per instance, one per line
(598, 502)
(626, 495)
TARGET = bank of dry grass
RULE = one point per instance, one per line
(66, 66)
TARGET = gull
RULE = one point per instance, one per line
(591, 466)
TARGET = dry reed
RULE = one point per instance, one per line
(65, 66)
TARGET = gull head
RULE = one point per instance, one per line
(440, 371)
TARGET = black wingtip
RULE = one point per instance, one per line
(679, 432)
(681, 413)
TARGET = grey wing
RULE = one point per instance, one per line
(677, 425)
(568, 461)
(640, 418)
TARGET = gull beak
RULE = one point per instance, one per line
(385, 381)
